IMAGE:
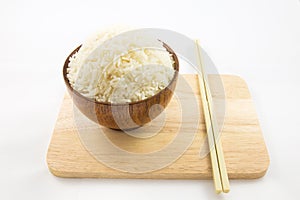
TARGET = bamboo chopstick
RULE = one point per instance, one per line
(211, 141)
(216, 152)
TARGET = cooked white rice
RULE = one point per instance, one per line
(122, 69)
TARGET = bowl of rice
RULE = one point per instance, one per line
(121, 85)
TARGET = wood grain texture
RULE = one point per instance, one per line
(244, 149)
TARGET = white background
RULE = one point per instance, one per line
(258, 40)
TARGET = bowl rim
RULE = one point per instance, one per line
(93, 100)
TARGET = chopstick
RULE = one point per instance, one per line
(211, 141)
(220, 176)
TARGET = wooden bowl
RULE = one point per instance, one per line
(124, 115)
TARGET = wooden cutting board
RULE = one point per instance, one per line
(71, 155)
